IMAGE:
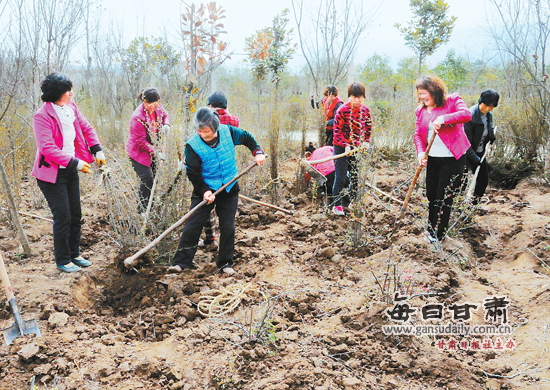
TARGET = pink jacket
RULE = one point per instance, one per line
(455, 113)
(49, 142)
(139, 145)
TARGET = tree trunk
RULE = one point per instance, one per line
(13, 210)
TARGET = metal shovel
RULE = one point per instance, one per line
(20, 326)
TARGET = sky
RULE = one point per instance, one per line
(244, 17)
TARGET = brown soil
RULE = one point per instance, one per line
(322, 327)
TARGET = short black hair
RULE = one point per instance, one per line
(217, 100)
(54, 86)
(149, 95)
(356, 89)
(489, 97)
(330, 90)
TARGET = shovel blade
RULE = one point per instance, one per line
(12, 332)
(315, 174)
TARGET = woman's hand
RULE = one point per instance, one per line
(209, 197)
(422, 161)
(100, 159)
(260, 159)
(85, 168)
(437, 124)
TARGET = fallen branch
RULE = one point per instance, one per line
(516, 374)
(30, 215)
(266, 204)
(383, 193)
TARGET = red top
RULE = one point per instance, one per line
(226, 118)
(352, 126)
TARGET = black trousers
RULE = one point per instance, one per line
(146, 176)
(443, 181)
(342, 166)
(226, 208)
(63, 197)
(482, 178)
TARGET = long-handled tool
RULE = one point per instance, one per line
(289, 212)
(419, 169)
(19, 327)
(472, 185)
(129, 262)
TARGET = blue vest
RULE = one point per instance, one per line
(219, 164)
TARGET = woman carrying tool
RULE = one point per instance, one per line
(443, 115)
(330, 104)
(148, 123)
(352, 128)
(210, 163)
(66, 143)
(480, 132)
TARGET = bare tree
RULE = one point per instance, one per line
(10, 75)
(336, 29)
(521, 32)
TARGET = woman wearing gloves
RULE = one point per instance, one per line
(444, 115)
(352, 128)
(147, 124)
(65, 143)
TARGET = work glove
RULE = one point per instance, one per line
(347, 149)
(100, 158)
(165, 129)
(160, 156)
(83, 167)
(181, 165)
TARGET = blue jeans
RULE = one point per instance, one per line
(63, 197)
(226, 208)
(341, 167)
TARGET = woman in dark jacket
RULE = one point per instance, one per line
(66, 143)
(480, 132)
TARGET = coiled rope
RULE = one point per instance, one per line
(217, 303)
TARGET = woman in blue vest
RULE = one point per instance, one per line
(210, 163)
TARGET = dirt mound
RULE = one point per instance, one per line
(319, 291)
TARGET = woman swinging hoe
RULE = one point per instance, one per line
(210, 163)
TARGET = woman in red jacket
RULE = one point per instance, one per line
(444, 115)
(147, 124)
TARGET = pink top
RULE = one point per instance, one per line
(49, 142)
(139, 145)
(321, 153)
(455, 113)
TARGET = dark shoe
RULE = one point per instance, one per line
(82, 262)
(68, 267)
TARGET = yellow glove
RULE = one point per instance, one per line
(85, 168)
(100, 159)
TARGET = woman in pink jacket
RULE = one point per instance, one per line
(444, 115)
(65, 143)
(149, 121)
